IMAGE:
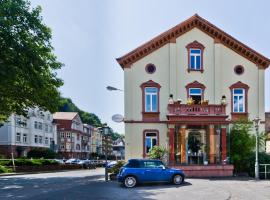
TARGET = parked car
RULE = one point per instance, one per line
(72, 161)
(111, 164)
(87, 164)
(141, 170)
(60, 161)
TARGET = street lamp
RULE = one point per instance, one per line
(110, 88)
(256, 125)
(106, 131)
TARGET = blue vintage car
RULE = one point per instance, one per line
(142, 170)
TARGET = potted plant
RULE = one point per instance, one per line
(171, 99)
(205, 102)
(179, 101)
(190, 101)
(223, 100)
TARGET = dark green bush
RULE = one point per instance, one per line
(4, 169)
(250, 166)
(41, 153)
(28, 162)
(115, 169)
(5, 162)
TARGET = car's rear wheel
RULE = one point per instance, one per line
(130, 181)
(178, 179)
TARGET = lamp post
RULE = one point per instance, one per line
(106, 131)
(256, 125)
(111, 88)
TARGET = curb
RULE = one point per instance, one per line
(40, 172)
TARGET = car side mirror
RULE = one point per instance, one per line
(162, 167)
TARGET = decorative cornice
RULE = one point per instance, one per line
(195, 84)
(195, 44)
(195, 21)
(150, 83)
(239, 84)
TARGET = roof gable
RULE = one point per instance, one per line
(65, 115)
(195, 21)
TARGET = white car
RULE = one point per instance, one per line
(73, 161)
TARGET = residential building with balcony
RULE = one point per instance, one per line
(184, 88)
(74, 138)
(107, 142)
(96, 141)
(21, 134)
(118, 147)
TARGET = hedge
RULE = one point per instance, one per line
(28, 162)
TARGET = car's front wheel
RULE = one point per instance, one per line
(130, 181)
(178, 179)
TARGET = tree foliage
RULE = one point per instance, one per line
(27, 62)
(157, 152)
(66, 105)
(242, 145)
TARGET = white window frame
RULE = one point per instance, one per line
(151, 138)
(151, 99)
(18, 137)
(46, 140)
(238, 103)
(68, 135)
(36, 125)
(36, 139)
(195, 58)
(40, 139)
(24, 138)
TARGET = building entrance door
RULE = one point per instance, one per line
(195, 147)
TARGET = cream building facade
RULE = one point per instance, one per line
(190, 83)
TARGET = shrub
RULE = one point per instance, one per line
(4, 169)
(157, 152)
(242, 145)
(116, 168)
(263, 159)
(41, 153)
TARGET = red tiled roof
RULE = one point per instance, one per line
(65, 115)
(195, 21)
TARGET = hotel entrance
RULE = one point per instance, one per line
(196, 140)
(197, 145)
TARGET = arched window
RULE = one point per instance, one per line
(150, 100)
(195, 90)
(195, 56)
(150, 139)
(239, 100)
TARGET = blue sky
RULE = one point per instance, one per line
(89, 34)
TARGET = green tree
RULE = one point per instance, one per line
(66, 105)
(242, 144)
(27, 63)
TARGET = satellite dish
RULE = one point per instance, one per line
(117, 118)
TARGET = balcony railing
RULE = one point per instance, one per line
(184, 109)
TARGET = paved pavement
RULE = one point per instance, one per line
(89, 184)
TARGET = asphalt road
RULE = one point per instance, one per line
(89, 184)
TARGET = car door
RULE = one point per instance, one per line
(153, 171)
